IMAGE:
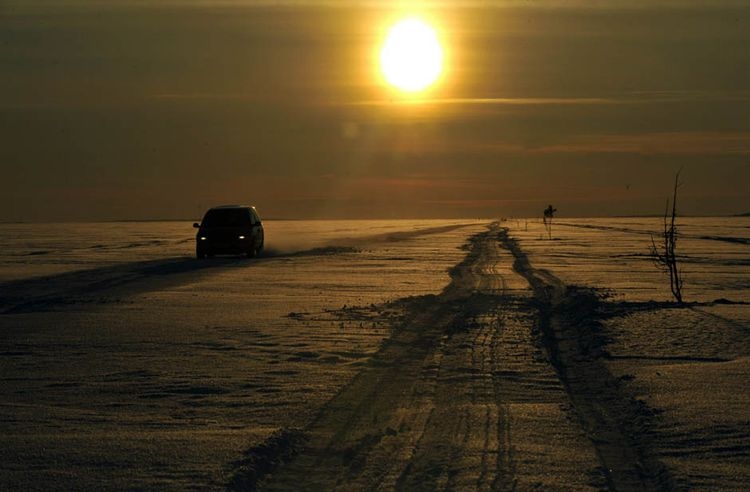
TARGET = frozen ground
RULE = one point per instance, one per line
(396, 354)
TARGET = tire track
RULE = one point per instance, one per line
(461, 397)
(615, 422)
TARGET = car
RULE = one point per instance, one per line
(229, 229)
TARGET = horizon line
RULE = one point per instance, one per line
(282, 219)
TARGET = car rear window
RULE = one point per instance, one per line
(230, 217)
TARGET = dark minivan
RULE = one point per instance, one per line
(229, 229)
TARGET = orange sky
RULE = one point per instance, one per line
(140, 110)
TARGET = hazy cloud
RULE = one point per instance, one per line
(129, 109)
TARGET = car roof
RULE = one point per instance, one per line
(230, 206)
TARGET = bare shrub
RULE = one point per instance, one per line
(664, 255)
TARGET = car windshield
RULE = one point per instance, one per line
(229, 217)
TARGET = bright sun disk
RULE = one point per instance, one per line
(411, 58)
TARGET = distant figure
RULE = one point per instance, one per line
(549, 212)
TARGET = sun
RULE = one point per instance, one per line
(411, 58)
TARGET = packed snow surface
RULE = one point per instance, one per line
(374, 353)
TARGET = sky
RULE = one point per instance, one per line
(118, 110)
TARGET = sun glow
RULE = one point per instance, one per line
(411, 58)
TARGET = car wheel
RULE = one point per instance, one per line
(251, 253)
(200, 254)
